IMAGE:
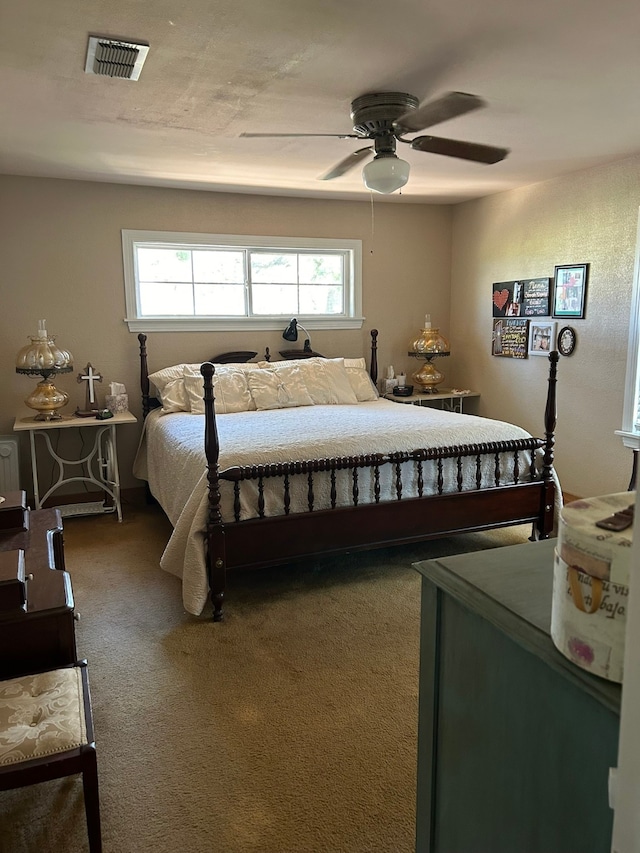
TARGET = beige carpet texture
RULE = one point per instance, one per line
(289, 728)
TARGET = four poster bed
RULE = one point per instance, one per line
(294, 460)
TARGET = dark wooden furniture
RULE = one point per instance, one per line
(268, 541)
(299, 353)
(515, 741)
(41, 634)
(66, 762)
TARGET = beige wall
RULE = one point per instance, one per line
(591, 217)
(62, 261)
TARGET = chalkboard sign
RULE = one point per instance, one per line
(524, 298)
(510, 337)
(536, 297)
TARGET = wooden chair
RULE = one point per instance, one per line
(46, 732)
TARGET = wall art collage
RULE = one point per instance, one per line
(524, 312)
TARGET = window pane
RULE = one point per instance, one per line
(217, 266)
(275, 299)
(220, 299)
(164, 264)
(268, 268)
(320, 299)
(321, 269)
(165, 299)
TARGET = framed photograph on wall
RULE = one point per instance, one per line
(542, 336)
(570, 290)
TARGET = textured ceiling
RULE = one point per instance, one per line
(561, 78)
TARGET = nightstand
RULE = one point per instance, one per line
(446, 398)
(99, 465)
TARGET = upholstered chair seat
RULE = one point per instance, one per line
(46, 732)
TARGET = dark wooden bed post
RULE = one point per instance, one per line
(373, 372)
(216, 554)
(144, 375)
(550, 416)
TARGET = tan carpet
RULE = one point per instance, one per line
(289, 728)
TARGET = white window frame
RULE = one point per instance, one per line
(625, 790)
(351, 319)
(630, 431)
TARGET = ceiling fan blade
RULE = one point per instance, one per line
(451, 105)
(463, 150)
(348, 163)
(274, 135)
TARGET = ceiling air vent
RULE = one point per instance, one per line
(115, 57)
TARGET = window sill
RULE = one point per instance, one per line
(629, 439)
(241, 324)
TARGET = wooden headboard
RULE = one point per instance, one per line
(237, 357)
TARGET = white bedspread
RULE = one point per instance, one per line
(171, 457)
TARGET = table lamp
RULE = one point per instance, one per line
(428, 346)
(43, 358)
(291, 334)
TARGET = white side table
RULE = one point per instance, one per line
(99, 466)
(447, 399)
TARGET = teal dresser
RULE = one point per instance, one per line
(515, 742)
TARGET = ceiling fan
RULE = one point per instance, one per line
(386, 118)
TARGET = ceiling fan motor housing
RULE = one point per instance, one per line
(373, 115)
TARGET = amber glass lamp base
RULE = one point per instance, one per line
(428, 378)
(46, 399)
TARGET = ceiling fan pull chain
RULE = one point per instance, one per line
(372, 221)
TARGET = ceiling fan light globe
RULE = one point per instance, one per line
(385, 174)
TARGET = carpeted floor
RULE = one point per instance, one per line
(289, 728)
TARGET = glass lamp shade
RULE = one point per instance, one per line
(430, 342)
(386, 174)
(42, 355)
(43, 358)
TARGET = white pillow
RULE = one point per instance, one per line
(240, 365)
(230, 390)
(278, 388)
(174, 397)
(169, 383)
(328, 381)
(360, 380)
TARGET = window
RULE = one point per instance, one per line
(630, 431)
(199, 282)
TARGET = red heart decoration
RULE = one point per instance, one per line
(500, 298)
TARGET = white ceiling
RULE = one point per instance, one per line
(561, 78)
